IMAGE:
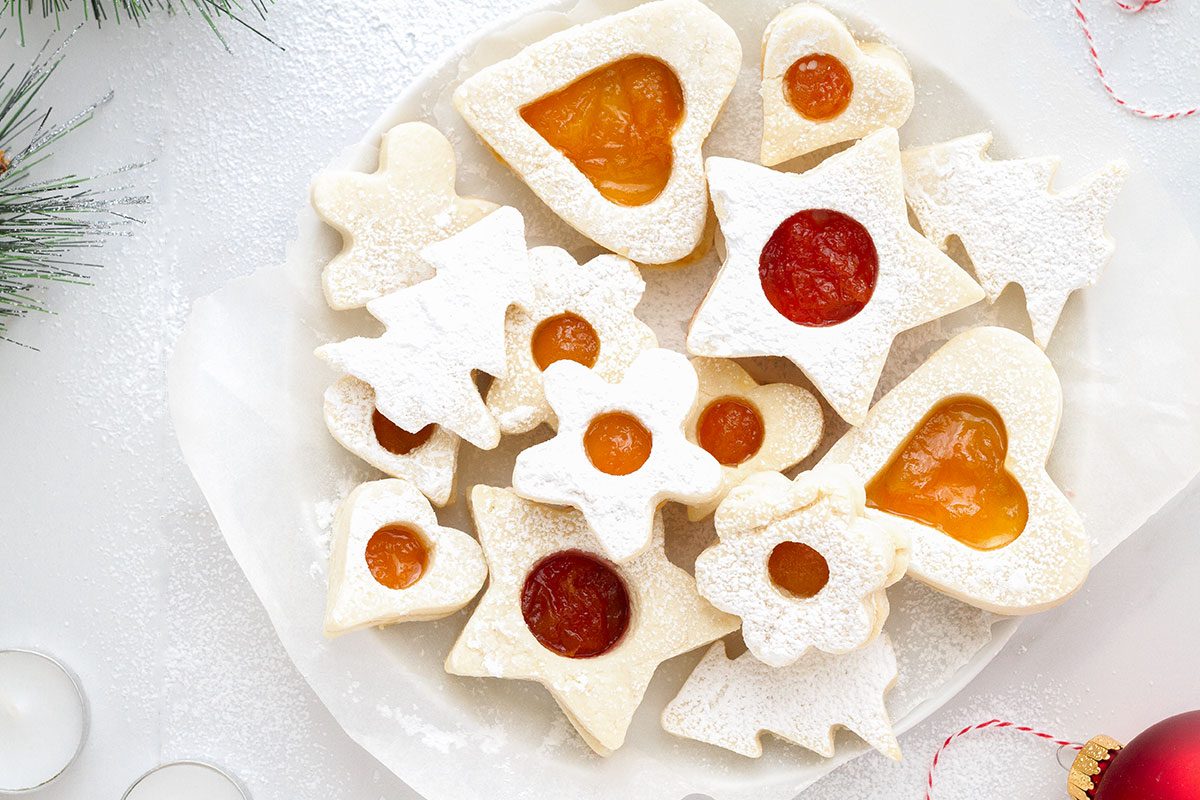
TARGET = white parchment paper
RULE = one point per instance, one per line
(246, 402)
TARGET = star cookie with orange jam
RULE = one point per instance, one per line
(955, 456)
(801, 565)
(730, 703)
(558, 612)
(392, 562)
(581, 313)
(749, 428)
(443, 329)
(821, 87)
(620, 451)
(824, 269)
(605, 122)
(387, 217)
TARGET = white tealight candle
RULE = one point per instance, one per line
(186, 780)
(43, 720)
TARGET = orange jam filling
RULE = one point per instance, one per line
(818, 86)
(617, 443)
(819, 268)
(731, 430)
(798, 569)
(566, 336)
(397, 556)
(950, 474)
(575, 605)
(615, 125)
(396, 440)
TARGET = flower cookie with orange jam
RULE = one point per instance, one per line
(392, 561)
(427, 458)
(388, 216)
(605, 122)
(620, 451)
(821, 87)
(558, 612)
(955, 456)
(581, 313)
(824, 269)
(801, 564)
(749, 428)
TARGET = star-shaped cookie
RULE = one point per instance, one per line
(441, 330)
(599, 694)
(906, 280)
(640, 418)
(386, 217)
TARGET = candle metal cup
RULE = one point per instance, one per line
(85, 715)
(143, 784)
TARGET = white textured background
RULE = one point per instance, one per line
(112, 561)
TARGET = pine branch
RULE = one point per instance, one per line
(45, 222)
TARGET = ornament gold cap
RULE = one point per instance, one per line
(1081, 781)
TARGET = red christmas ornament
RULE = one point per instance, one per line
(1163, 763)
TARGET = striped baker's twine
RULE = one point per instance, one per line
(991, 723)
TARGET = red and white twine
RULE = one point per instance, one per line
(1132, 8)
(993, 724)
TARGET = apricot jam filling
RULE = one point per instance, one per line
(396, 440)
(615, 125)
(575, 605)
(617, 443)
(397, 556)
(797, 569)
(731, 430)
(818, 86)
(566, 336)
(819, 268)
(950, 475)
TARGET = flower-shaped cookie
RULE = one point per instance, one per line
(441, 330)
(823, 268)
(582, 313)
(749, 428)
(620, 449)
(1014, 228)
(801, 565)
(556, 612)
(955, 457)
(731, 702)
(821, 87)
(605, 122)
(387, 217)
(393, 562)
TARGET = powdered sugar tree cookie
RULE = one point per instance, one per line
(801, 564)
(955, 456)
(1015, 229)
(821, 87)
(620, 449)
(393, 562)
(427, 457)
(823, 268)
(582, 313)
(749, 428)
(731, 703)
(557, 612)
(605, 122)
(388, 216)
(441, 330)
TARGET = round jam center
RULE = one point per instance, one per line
(615, 125)
(396, 440)
(397, 556)
(798, 569)
(731, 430)
(950, 474)
(617, 443)
(568, 337)
(575, 605)
(819, 268)
(818, 86)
